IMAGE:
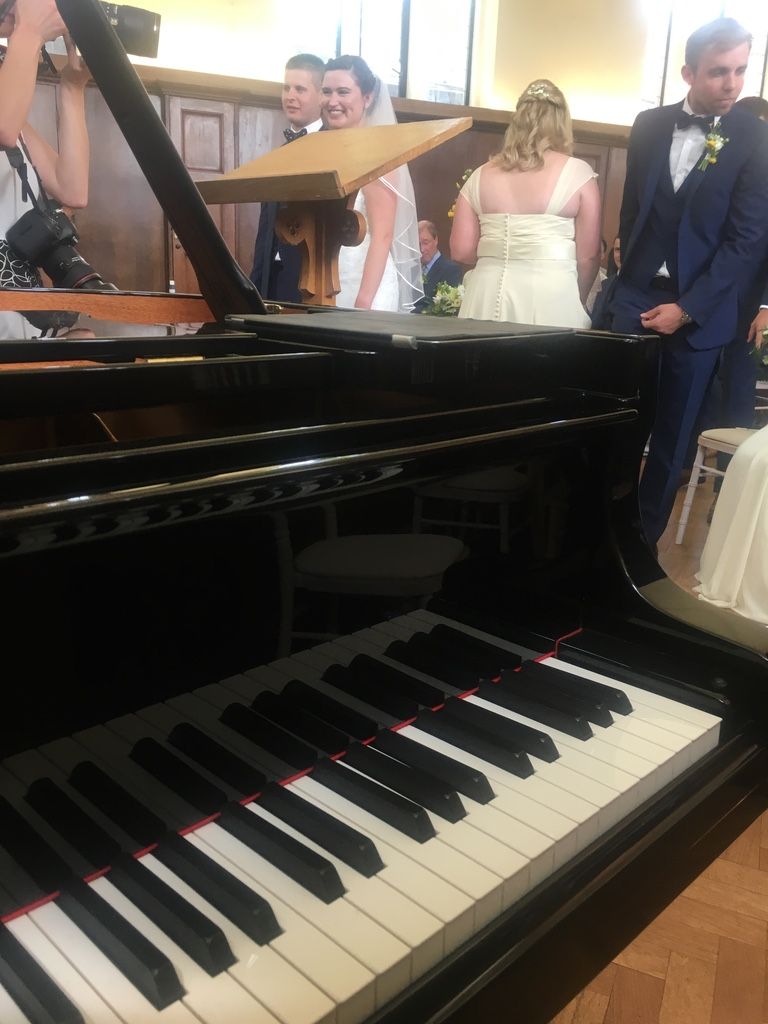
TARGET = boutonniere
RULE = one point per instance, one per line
(713, 143)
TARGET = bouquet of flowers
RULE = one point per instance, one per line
(446, 300)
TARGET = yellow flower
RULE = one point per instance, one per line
(711, 159)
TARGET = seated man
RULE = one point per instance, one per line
(436, 269)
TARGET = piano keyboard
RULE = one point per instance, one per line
(300, 843)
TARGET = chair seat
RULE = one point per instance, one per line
(725, 439)
(378, 564)
(719, 439)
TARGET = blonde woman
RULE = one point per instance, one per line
(530, 220)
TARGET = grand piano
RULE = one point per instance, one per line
(454, 805)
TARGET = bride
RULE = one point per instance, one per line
(384, 271)
(530, 217)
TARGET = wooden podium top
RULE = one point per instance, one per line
(330, 165)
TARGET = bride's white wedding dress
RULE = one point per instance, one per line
(351, 264)
(526, 262)
(734, 562)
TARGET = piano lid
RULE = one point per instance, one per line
(224, 285)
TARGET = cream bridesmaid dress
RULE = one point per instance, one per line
(526, 262)
(734, 562)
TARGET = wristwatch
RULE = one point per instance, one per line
(685, 318)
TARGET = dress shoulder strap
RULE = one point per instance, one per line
(574, 175)
(471, 190)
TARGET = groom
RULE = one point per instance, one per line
(694, 232)
(277, 265)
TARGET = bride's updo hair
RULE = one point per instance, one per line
(541, 122)
(359, 70)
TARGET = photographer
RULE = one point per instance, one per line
(28, 25)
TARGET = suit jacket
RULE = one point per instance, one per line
(442, 270)
(723, 236)
(276, 279)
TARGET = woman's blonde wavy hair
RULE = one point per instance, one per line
(540, 122)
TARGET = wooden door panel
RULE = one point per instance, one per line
(203, 131)
(259, 130)
(122, 229)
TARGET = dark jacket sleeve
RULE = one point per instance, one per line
(264, 247)
(744, 242)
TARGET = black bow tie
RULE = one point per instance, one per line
(694, 120)
(291, 134)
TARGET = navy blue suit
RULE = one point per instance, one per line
(442, 271)
(276, 279)
(713, 236)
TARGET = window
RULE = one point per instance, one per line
(373, 30)
(683, 18)
(439, 46)
(420, 48)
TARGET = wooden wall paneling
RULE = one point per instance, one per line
(204, 133)
(259, 130)
(614, 187)
(122, 230)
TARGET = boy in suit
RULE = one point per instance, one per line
(694, 233)
(276, 265)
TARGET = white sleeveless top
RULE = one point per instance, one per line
(12, 206)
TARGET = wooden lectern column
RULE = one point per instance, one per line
(321, 228)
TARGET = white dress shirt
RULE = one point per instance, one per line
(314, 127)
(686, 150)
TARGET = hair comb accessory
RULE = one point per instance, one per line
(540, 91)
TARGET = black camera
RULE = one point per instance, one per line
(138, 30)
(46, 238)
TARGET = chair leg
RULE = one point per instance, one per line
(689, 493)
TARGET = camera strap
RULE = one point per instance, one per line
(19, 164)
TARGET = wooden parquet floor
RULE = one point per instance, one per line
(703, 959)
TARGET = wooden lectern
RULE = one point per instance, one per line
(317, 178)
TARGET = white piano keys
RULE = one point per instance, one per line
(85, 956)
(300, 972)
(211, 999)
(420, 874)
(379, 951)
(382, 901)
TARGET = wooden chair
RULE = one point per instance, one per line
(500, 486)
(719, 439)
(373, 565)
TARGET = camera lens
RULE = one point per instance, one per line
(67, 269)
